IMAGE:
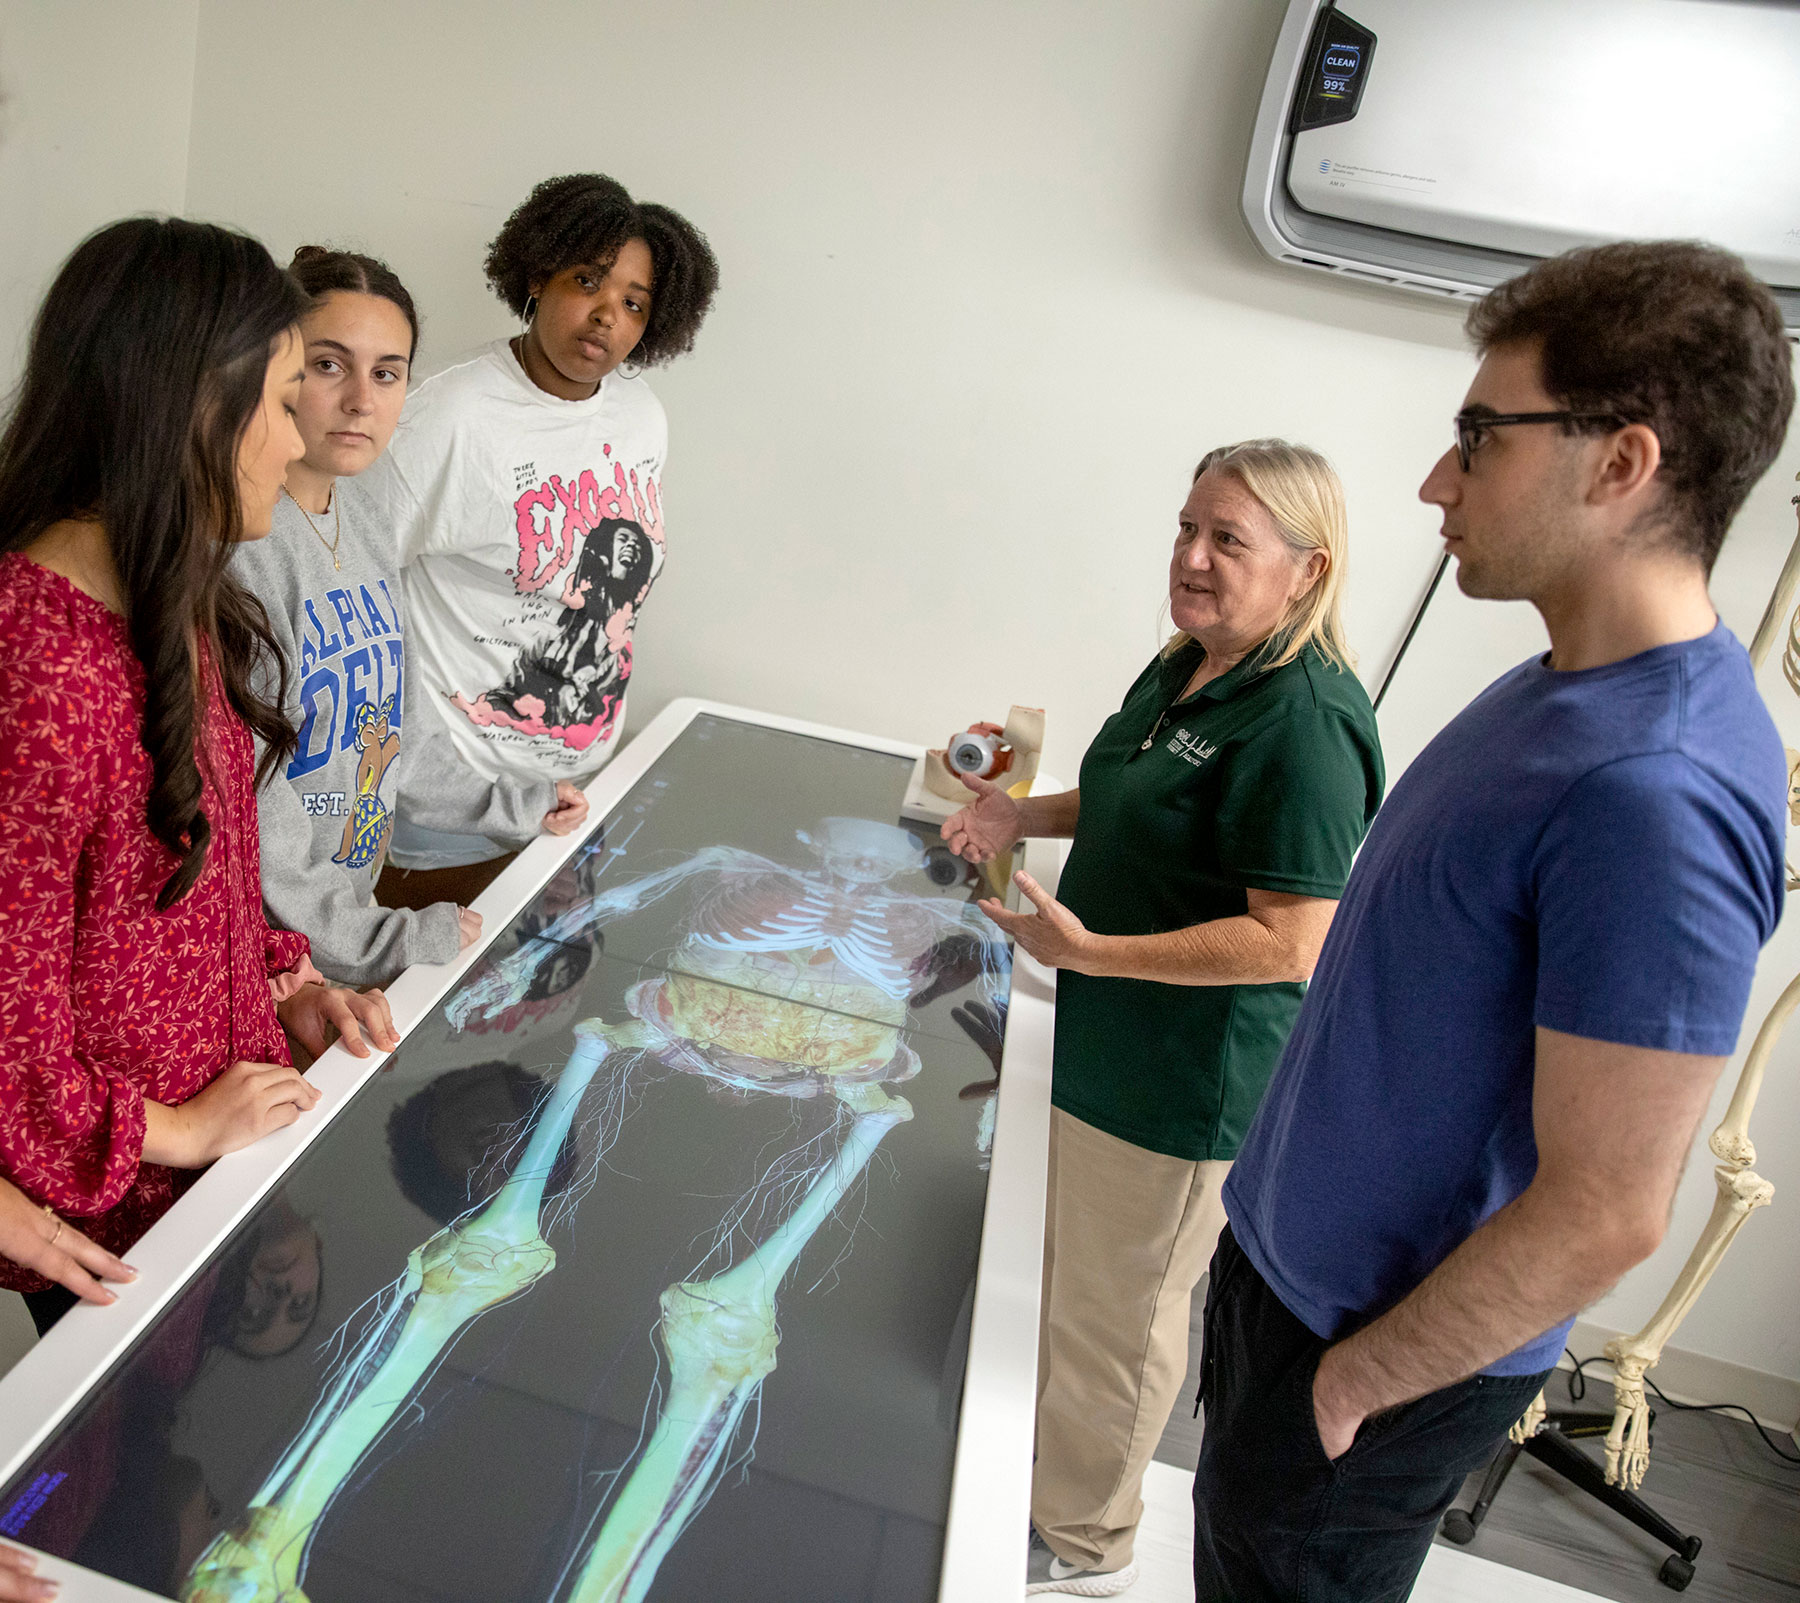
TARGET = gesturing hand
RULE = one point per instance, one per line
(317, 1012)
(570, 811)
(988, 826)
(1052, 934)
(55, 1249)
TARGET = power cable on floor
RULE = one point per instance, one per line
(1578, 1390)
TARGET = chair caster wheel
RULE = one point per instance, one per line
(1675, 1573)
(1460, 1529)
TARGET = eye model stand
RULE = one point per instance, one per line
(1548, 1435)
(1005, 754)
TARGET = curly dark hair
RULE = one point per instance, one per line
(1673, 334)
(586, 217)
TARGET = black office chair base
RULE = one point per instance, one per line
(1554, 1446)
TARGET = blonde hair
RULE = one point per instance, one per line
(1301, 491)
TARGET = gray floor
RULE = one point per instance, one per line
(1710, 1475)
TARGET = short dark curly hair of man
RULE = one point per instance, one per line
(586, 217)
(1669, 333)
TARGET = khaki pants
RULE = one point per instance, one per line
(1127, 1236)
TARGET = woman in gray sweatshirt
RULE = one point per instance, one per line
(328, 576)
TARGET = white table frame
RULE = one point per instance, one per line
(990, 1495)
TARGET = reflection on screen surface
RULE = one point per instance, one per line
(643, 1271)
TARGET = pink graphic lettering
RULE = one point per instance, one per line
(533, 536)
(651, 516)
(588, 498)
(597, 548)
(611, 506)
(584, 506)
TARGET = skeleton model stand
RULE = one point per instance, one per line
(1547, 1434)
(792, 982)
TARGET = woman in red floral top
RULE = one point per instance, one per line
(142, 994)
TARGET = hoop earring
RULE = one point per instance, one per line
(526, 316)
(631, 370)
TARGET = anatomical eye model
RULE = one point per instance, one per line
(795, 980)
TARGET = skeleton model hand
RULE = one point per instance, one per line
(1741, 1191)
(792, 982)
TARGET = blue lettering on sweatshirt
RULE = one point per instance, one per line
(360, 662)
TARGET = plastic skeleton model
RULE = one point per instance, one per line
(789, 981)
(1741, 1190)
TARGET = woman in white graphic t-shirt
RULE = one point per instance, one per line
(526, 487)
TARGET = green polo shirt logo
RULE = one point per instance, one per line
(1192, 747)
(1280, 775)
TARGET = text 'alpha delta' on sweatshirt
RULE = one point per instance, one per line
(326, 815)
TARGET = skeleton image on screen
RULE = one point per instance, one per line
(578, 676)
(793, 981)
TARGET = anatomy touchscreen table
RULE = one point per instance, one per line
(645, 1268)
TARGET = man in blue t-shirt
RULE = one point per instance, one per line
(1542, 957)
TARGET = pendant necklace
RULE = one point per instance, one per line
(337, 525)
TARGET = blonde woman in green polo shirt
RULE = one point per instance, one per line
(1213, 829)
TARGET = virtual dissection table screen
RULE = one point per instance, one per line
(643, 1271)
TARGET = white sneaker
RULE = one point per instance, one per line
(1045, 1572)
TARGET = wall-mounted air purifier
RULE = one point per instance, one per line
(1442, 146)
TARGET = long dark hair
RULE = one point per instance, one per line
(321, 271)
(147, 362)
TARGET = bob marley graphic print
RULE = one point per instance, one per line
(568, 682)
(531, 533)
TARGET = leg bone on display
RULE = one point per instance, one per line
(451, 1280)
(791, 982)
(720, 1336)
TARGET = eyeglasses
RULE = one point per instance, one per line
(1472, 427)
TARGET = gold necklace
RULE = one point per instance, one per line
(337, 518)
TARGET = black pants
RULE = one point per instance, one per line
(48, 1306)
(1275, 1521)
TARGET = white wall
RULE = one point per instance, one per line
(986, 298)
(95, 98)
